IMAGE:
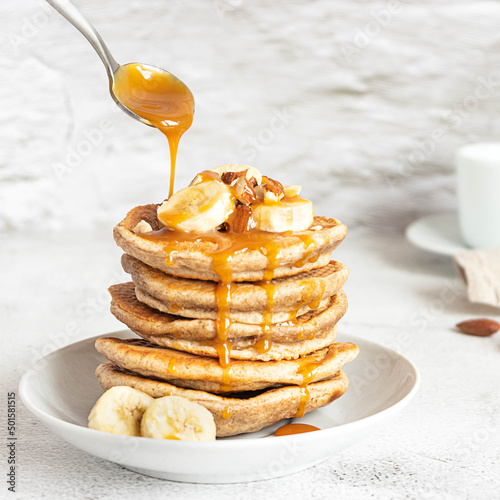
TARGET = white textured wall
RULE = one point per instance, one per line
(369, 99)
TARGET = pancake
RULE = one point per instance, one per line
(248, 317)
(180, 294)
(244, 349)
(151, 323)
(248, 414)
(298, 252)
(206, 374)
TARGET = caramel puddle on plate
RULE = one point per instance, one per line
(159, 97)
(288, 429)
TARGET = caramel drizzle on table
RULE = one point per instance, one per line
(228, 245)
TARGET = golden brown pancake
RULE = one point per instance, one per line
(150, 322)
(235, 415)
(192, 259)
(204, 373)
(244, 349)
(289, 294)
(248, 317)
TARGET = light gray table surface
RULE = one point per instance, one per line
(445, 444)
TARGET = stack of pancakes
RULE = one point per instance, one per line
(284, 360)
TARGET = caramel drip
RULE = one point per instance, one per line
(286, 430)
(314, 304)
(309, 290)
(174, 308)
(305, 396)
(227, 412)
(309, 246)
(273, 260)
(161, 99)
(264, 344)
(307, 294)
(171, 366)
(222, 325)
(307, 369)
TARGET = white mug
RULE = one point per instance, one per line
(478, 177)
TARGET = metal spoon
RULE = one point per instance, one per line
(73, 15)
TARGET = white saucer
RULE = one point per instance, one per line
(61, 388)
(438, 234)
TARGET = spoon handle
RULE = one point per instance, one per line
(73, 15)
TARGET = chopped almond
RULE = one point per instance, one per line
(230, 177)
(241, 220)
(274, 186)
(259, 192)
(244, 191)
(142, 227)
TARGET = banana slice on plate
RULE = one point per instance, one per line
(197, 208)
(175, 417)
(280, 216)
(119, 411)
(236, 167)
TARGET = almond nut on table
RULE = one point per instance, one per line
(479, 327)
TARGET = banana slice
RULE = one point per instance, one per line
(236, 167)
(119, 411)
(197, 208)
(281, 216)
(174, 417)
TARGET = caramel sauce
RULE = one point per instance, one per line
(314, 304)
(307, 294)
(171, 367)
(309, 245)
(158, 97)
(174, 308)
(307, 368)
(227, 412)
(305, 396)
(264, 344)
(273, 257)
(309, 289)
(223, 323)
(289, 429)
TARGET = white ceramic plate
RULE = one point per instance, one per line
(438, 234)
(61, 388)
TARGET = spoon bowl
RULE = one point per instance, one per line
(122, 106)
(152, 94)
